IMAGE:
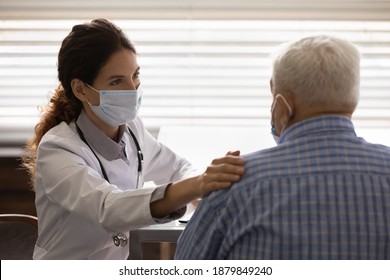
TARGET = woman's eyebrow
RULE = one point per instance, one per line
(116, 76)
(122, 76)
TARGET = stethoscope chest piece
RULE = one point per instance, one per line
(120, 239)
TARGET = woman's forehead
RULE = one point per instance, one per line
(120, 63)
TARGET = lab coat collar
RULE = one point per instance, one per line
(105, 146)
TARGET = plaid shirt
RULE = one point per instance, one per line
(322, 193)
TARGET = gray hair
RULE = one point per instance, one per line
(319, 70)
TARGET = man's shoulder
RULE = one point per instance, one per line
(260, 155)
(255, 165)
(260, 163)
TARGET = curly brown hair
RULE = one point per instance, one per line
(85, 50)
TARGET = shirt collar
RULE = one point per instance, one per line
(318, 126)
(105, 146)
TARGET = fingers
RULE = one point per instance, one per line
(227, 164)
(228, 159)
(222, 173)
(225, 171)
(233, 153)
(219, 177)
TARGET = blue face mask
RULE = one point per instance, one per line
(117, 107)
(274, 133)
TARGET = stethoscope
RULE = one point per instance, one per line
(120, 239)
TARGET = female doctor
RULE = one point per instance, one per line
(91, 154)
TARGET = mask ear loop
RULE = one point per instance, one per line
(273, 129)
(91, 87)
(285, 103)
(94, 89)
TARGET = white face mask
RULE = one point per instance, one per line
(117, 107)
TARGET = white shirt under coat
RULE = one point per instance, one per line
(79, 211)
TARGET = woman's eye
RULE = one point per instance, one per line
(136, 75)
(115, 82)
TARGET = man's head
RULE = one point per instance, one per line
(314, 76)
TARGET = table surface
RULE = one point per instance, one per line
(168, 232)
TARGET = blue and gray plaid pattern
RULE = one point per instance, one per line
(322, 193)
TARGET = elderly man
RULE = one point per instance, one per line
(322, 192)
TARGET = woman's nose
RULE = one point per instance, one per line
(132, 85)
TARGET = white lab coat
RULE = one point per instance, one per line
(79, 211)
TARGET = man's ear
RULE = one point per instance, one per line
(290, 99)
(78, 87)
(271, 86)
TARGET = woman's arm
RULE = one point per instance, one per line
(219, 175)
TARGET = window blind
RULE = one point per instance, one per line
(202, 62)
(198, 9)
